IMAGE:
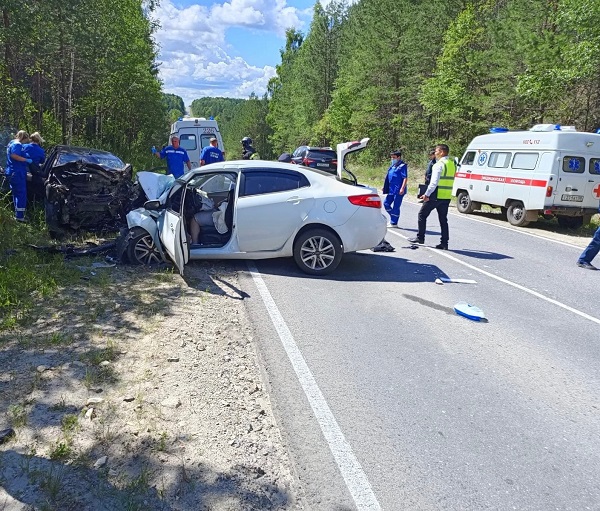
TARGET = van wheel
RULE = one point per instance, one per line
(517, 214)
(570, 222)
(464, 204)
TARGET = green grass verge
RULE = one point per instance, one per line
(26, 275)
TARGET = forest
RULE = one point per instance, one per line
(410, 73)
(82, 73)
(406, 73)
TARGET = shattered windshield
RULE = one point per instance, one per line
(105, 159)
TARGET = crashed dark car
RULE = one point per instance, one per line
(83, 188)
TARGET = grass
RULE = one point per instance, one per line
(27, 276)
(17, 416)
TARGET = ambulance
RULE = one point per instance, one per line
(550, 170)
(194, 135)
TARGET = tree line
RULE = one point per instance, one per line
(82, 73)
(410, 73)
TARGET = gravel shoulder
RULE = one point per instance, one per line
(140, 390)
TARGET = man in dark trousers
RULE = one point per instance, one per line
(437, 196)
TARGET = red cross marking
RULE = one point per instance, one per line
(597, 191)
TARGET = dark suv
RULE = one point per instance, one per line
(83, 188)
(323, 158)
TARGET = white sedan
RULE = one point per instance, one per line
(254, 209)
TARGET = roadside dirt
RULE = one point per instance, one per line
(140, 390)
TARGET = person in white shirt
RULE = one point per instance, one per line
(437, 196)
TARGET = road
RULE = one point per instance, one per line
(389, 400)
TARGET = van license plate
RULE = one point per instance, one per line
(572, 198)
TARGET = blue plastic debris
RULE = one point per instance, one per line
(469, 311)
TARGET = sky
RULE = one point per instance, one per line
(224, 48)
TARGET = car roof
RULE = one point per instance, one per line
(82, 150)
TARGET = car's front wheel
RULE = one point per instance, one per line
(318, 251)
(141, 248)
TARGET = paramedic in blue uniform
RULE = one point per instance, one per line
(437, 196)
(395, 187)
(175, 155)
(591, 251)
(35, 153)
(16, 172)
(211, 153)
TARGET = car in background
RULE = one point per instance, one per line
(261, 210)
(322, 158)
(83, 188)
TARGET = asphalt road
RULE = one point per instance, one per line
(403, 404)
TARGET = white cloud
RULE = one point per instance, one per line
(196, 59)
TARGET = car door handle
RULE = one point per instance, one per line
(296, 199)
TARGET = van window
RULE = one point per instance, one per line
(525, 161)
(574, 164)
(594, 165)
(499, 160)
(205, 140)
(468, 158)
(187, 141)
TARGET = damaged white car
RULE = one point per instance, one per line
(255, 209)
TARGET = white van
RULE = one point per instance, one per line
(194, 135)
(549, 170)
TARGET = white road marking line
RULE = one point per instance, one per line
(518, 230)
(353, 474)
(505, 281)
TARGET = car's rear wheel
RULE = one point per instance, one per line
(318, 251)
(141, 248)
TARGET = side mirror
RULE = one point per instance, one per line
(153, 205)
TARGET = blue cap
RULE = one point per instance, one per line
(211, 118)
(557, 127)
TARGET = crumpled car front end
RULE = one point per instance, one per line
(83, 195)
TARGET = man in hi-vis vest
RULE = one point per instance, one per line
(437, 196)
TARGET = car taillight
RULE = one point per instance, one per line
(549, 191)
(307, 161)
(370, 201)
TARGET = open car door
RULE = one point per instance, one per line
(343, 150)
(174, 238)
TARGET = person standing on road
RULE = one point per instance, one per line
(591, 251)
(437, 196)
(211, 153)
(16, 172)
(394, 187)
(175, 155)
(35, 152)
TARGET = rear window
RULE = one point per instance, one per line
(573, 164)
(499, 160)
(595, 166)
(187, 141)
(525, 161)
(314, 155)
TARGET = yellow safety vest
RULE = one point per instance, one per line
(444, 187)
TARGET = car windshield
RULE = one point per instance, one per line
(322, 153)
(105, 159)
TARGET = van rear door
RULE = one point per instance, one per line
(592, 191)
(573, 182)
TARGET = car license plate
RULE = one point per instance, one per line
(322, 164)
(572, 198)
